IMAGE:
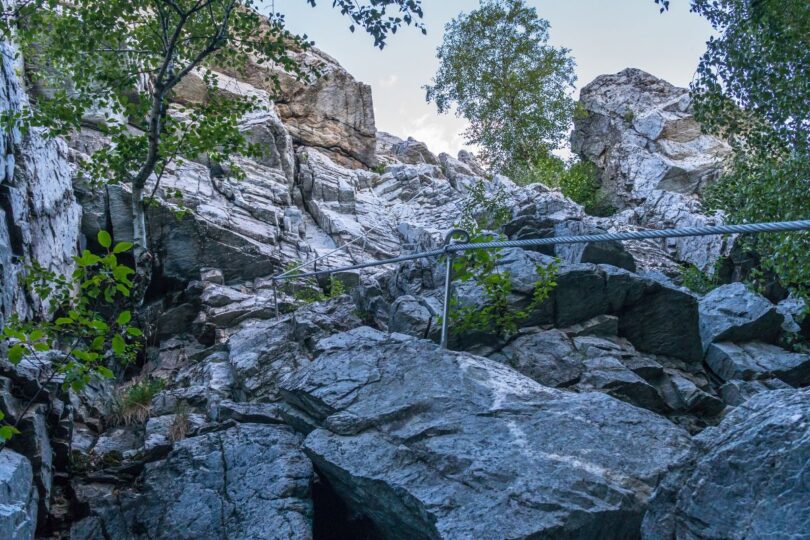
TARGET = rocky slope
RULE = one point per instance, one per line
(624, 406)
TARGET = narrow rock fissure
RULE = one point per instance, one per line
(333, 519)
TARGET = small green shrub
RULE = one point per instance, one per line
(88, 322)
(698, 281)
(629, 116)
(497, 315)
(133, 405)
(577, 180)
(484, 209)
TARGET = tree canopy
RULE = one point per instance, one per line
(498, 71)
(752, 87)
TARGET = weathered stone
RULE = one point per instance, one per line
(612, 253)
(736, 392)
(664, 322)
(547, 357)
(18, 497)
(512, 456)
(640, 132)
(411, 316)
(734, 313)
(745, 478)
(747, 361)
(39, 216)
(609, 375)
(249, 481)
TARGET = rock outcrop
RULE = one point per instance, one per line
(746, 478)
(249, 481)
(39, 216)
(323, 407)
(433, 444)
(640, 132)
(652, 157)
(18, 497)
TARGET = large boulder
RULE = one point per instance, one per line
(18, 497)
(750, 361)
(747, 478)
(249, 481)
(436, 444)
(735, 313)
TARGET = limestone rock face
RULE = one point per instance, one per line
(746, 478)
(333, 112)
(652, 157)
(435, 444)
(39, 216)
(640, 132)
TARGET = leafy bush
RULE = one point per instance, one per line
(578, 180)
(134, 404)
(497, 315)
(88, 323)
(307, 290)
(698, 281)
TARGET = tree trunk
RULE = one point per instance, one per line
(140, 250)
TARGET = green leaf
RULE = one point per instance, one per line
(101, 326)
(118, 345)
(104, 372)
(104, 239)
(62, 321)
(134, 332)
(124, 317)
(16, 353)
(7, 432)
(2, 415)
(97, 343)
(121, 247)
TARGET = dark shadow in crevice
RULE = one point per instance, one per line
(333, 520)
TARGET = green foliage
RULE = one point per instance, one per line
(497, 315)
(578, 180)
(485, 207)
(307, 291)
(698, 281)
(89, 326)
(89, 322)
(497, 70)
(751, 88)
(7, 431)
(133, 404)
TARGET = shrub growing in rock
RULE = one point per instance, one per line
(90, 328)
(133, 404)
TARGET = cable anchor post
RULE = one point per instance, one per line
(449, 240)
(275, 296)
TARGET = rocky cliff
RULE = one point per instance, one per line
(624, 406)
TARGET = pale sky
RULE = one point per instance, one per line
(605, 36)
